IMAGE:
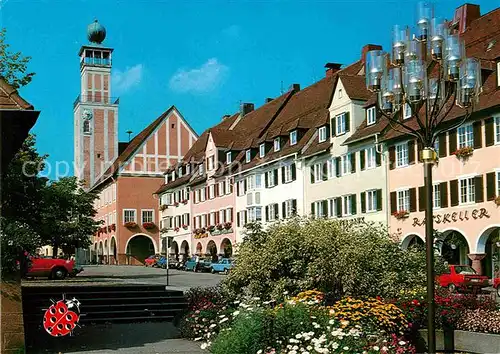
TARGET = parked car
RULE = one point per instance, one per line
(52, 268)
(204, 264)
(222, 266)
(161, 262)
(496, 285)
(151, 261)
(175, 264)
(462, 277)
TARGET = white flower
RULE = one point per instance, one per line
(298, 336)
(204, 346)
(331, 322)
(346, 348)
(236, 313)
(376, 348)
(402, 342)
(385, 349)
(197, 339)
(285, 292)
(223, 320)
(259, 351)
(335, 345)
(212, 325)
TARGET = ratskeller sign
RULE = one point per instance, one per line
(449, 218)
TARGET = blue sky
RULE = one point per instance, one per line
(202, 56)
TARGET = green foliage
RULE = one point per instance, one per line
(301, 254)
(13, 66)
(68, 215)
(249, 333)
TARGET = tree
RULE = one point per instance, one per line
(13, 66)
(68, 215)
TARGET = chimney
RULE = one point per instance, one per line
(464, 15)
(225, 116)
(295, 87)
(269, 99)
(332, 68)
(246, 108)
(367, 48)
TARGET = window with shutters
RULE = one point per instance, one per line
(467, 192)
(197, 196)
(289, 208)
(277, 144)
(250, 183)
(228, 158)
(129, 215)
(288, 173)
(201, 169)
(346, 164)
(331, 168)
(271, 180)
(258, 181)
(211, 160)
(318, 170)
(371, 200)
(242, 216)
(319, 211)
(340, 123)
(465, 136)
(436, 195)
(370, 158)
(147, 215)
(407, 111)
(202, 194)
(248, 155)
(347, 205)
(322, 134)
(254, 214)
(211, 191)
(402, 155)
(204, 220)
(228, 186)
(241, 187)
(222, 214)
(370, 116)
(403, 200)
(332, 208)
(229, 215)
(212, 218)
(497, 129)
(262, 150)
(273, 212)
(293, 137)
(222, 188)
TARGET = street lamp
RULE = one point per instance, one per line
(428, 73)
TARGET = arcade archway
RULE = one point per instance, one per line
(199, 249)
(212, 251)
(489, 245)
(412, 241)
(112, 250)
(455, 248)
(226, 248)
(184, 250)
(139, 247)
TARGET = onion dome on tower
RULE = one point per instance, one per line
(96, 33)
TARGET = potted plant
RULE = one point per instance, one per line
(148, 225)
(184, 227)
(401, 214)
(211, 228)
(163, 207)
(185, 201)
(176, 229)
(228, 225)
(113, 227)
(220, 227)
(464, 152)
(176, 204)
(130, 224)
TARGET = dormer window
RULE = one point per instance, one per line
(228, 158)
(188, 169)
(262, 150)
(180, 172)
(407, 111)
(248, 155)
(370, 116)
(322, 134)
(211, 161)
(277, 144)
(293, 137)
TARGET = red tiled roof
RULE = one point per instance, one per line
(10, 99)
(355, 87)
(316, 147)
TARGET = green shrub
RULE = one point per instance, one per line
(301, 254)
(249, 333)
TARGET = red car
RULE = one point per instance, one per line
(462, 277)
(496, 285)
(52, 268)
(151, 260)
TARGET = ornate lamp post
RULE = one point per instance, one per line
(428, 73)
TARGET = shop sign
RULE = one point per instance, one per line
(449, 218)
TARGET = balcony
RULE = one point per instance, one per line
(97, 98)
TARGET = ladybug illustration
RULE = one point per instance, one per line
(62, 317)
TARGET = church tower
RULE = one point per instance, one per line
(95, 110)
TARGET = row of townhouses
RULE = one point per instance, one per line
(321, 151)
